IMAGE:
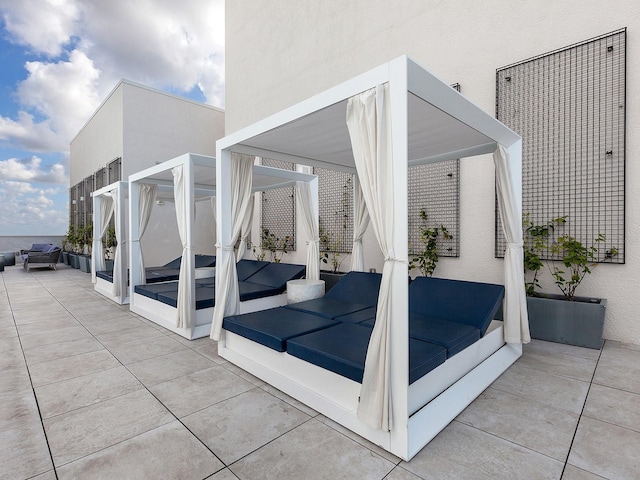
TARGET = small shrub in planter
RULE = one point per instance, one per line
(427, 259)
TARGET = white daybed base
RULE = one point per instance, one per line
(166, 315)
(434, 400)
(105, 288)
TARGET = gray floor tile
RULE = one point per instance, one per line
(630, 346)
(12, 357)
(190, 393)
(139, 350)
(235, 427)
(566, 365)
(606, 450)
(119, 337)
(68, 395)
(244, 374)
(531, 424)
(575, 473)
(210, 350)
(461, 451)
(555, 390)
(15, 380)
(59, 335)
(290, 400)
(312, 451)
(614, 406)
(619, 368)
(111, 325)
(225, 474)
(167, 367)
(50, 325)
(70, 367)
(540, 346)
(17, 409)
(87, 430)
(54, 351)
(169, 451)
(50, 475)
(400, 473)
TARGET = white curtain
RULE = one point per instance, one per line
(310, 223)
(116, 288)
(516, 320)
(245, 230)
(227, 295)
(147, 199)
(360, 225)
(106, 212)
(369, 123)
(185, 293)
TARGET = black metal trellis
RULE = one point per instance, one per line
(569, 107)
(278, 207)
(335, 207)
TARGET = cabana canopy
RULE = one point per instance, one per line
(399, 115)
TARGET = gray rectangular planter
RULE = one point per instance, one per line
(73, 260)
(84, 263)
(330, 279)
(555, 319)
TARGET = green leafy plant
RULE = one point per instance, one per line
(70, 239)
(276, 246)
(535, 243)
(85, 238)
(331, 241)
(330, 249)
(109, 241)
(427, 259)
(578, 261)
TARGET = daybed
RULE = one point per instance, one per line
(167, 272)
(397, 116)
(41, 255)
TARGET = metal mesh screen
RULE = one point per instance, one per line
(115, 170)
(102, 178)
(435, 188)
(569, 108)
(278, 207)
(87, 203)
(335, 208)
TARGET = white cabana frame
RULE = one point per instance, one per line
(118, 291)
(431, 122)
(200, 184)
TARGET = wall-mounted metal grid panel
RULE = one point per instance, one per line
(102, 178)
(435, 188)
(86, 200)
(279, 207)
(115, 170)
(569, 108)
(335, 208)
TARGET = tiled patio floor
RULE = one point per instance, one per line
(89, 390)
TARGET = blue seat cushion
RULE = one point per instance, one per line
(453, 336)
(105, 275)
(246, 268)
(164, 275)
(154, 289)
(343, 350)
(251, 291)
(357, 287)
(205, 261)
(173, 264)
(274, 327)
(471, 303)
(205, 297)
(206, 282)
(327, 307)
(277, 274)
(366, 315)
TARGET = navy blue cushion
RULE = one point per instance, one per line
(251, 291)
(175, 263)
(277, 274)
(246, 268)
(206, 282)
(471, 303)
(272, 328)
(164, 275)
(205, 297)
(357, 287)
(154, 289)
(367, 315)
(343, 349)
(327, 307)
(205, 261)
(453, 336)
(106, 275)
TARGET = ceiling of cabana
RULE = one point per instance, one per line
(322, 137)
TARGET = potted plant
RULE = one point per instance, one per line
(330, 255)
(426, 260)
(275, 246)
(566, 317)
(110, 243)
(66, 245)
(73, 243)
(85, 240)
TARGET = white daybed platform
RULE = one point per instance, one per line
(430, 122)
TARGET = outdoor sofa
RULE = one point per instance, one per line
(41, 255)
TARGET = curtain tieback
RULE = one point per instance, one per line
(225, 248)
(390, 258)
(514, 245)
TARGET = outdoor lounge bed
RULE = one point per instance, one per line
(167, 272)
(262, 285)
(41, 255)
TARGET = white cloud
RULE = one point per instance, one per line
(14, 171)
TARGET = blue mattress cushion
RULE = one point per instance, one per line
(202, 261)
(471, 303)
(173, 264)
(205, 297)
(453, 336)
(154, 289)
(246, 268)
(366, 315)
(272, 328)
(164, 275)
(357, 287)
(206, 282)
(105, 275)
(327, 307)
(277, 275)
(251, 291)
(343, 350)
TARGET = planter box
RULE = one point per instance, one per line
(84, 263)
(555, 319)
(64, 258)
(330, 279)
(108, 264)
(73, 260)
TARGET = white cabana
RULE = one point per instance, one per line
(399, 115)
(109, 202)
(188, 179)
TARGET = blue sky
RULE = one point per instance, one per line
(59, 59)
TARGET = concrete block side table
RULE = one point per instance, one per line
(305, 289)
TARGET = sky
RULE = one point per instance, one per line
(59, 59)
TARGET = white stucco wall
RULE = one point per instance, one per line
(278, 54)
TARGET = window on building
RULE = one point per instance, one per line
(569, 107)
